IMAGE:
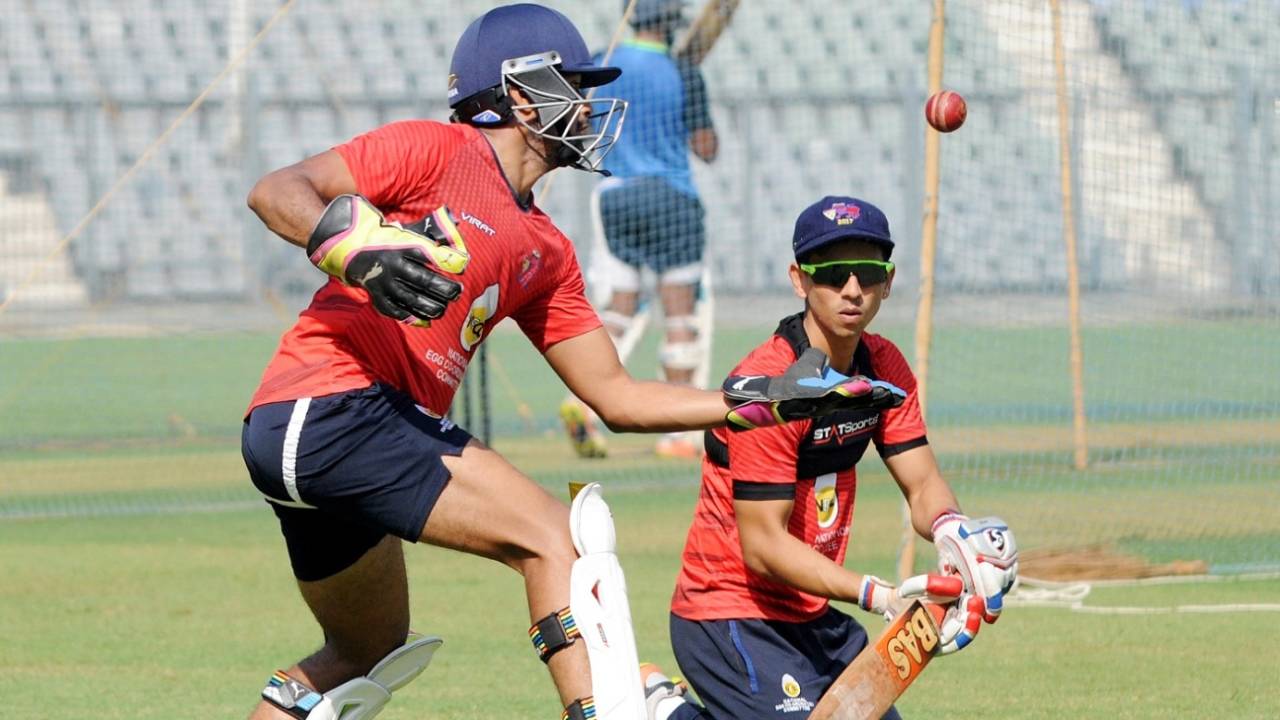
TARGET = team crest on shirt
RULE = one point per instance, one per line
(824, 496)
(842, 213)
(482, 310)
(530, 263)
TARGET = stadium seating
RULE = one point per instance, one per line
(810, 99)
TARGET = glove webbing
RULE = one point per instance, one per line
(580, 709)
(554, 633)
(290, 695)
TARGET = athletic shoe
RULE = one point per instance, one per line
(680, 445)
(580, 423)
(658, 687)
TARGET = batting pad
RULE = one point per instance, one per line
(364, 697)
(598, 599)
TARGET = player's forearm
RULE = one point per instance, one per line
(783, 558)
(661, 407)
(932, 498)
(288, 204)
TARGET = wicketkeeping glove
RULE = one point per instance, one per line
(981, 551)
(808, 389)
(399, 268)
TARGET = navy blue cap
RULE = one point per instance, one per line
(515, 31)
(835, 218)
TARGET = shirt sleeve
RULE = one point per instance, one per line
(762, 462)
(697, 104)
(392, 163)
(901, 428)
(561, 312)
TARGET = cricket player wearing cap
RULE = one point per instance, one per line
(751, 622)
(430, 236)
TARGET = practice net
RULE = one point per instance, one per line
(129, 344)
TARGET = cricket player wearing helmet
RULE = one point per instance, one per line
(430, 236)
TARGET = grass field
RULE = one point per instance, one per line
(143, 578)
(184, 616)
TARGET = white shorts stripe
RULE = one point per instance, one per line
(289, 460)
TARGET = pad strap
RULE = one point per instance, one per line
(290, 695)
(580, 709)
(554, 633)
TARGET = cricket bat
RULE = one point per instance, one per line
(705, 30)
(880, 674)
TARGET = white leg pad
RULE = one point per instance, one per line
(406, 662)
(364, 697)
(598, 601)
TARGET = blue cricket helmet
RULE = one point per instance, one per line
(516, 31)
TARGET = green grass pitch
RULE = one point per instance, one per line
(143, 579)
(185, 615)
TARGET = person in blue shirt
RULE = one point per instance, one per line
(650, 212)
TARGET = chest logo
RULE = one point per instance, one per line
(530, 263)
(482, 311)
(824, 496)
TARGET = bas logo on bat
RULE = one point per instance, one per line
(909, 649)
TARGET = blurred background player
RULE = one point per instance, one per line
(650, 215)
(751, 622)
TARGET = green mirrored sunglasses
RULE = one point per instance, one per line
(836, 273)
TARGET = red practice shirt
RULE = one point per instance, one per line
(520, 266)
(810, 460)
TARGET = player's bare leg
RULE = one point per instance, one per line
(491, 509)
(679, 355)
(364, 612)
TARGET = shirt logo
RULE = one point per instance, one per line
(842, 213)
(845, 430)
(529, 265)
(482, 310)
(484, 227)
(824, 496)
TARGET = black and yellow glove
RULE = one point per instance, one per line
(400, 269)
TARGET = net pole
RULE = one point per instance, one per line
(1078, 421)
(928, 244)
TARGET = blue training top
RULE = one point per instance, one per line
(668, 100)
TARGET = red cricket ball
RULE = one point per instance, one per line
(945, 110)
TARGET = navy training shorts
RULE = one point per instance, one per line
(343, 471)
(649, 223)
(763, 669)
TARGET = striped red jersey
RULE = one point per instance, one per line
(810, 461)
(520, 266)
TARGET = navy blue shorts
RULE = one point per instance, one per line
(756, 669)
(649, 223)
(343, 471)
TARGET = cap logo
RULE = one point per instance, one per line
(842, 213)
(453, 86)
(488, 117)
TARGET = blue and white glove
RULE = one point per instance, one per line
(983, 552)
